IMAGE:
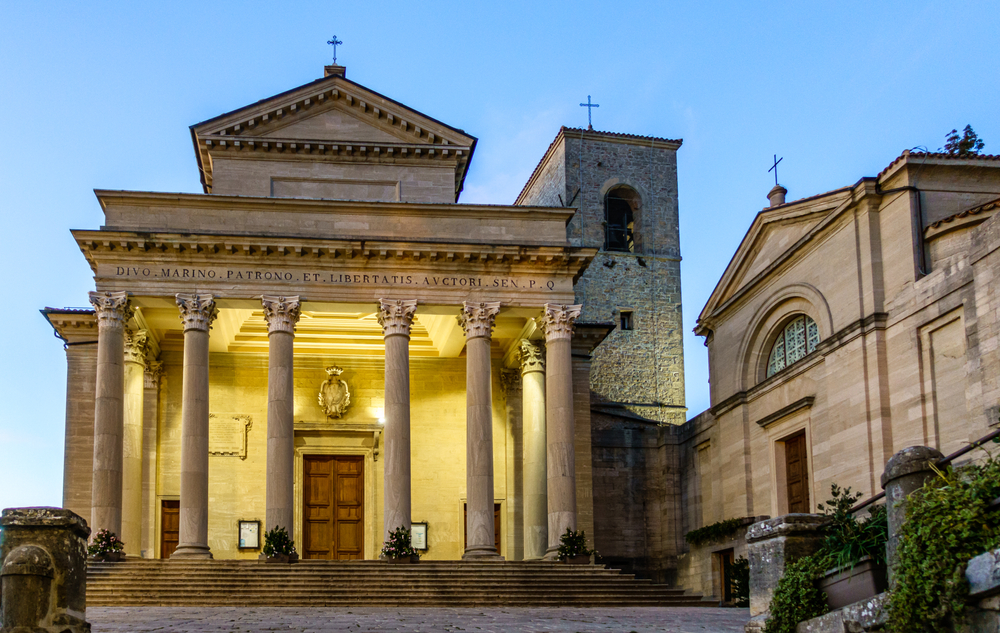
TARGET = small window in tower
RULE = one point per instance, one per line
(626, 320)
(621, 208)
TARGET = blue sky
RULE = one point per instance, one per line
(100, 95)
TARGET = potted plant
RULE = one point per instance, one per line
(398, 548)
(857, 548)
(573, 548)
(279, 547)
(106, 547)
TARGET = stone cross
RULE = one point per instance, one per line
(590, 108)
(774, 168)
(334, 43)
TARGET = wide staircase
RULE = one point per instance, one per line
(371, 583)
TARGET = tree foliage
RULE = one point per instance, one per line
(968, 144)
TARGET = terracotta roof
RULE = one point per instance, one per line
(936, 155)
(582, 131)
(989, 206)
(68, 311)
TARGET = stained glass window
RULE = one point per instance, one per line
(798, 339)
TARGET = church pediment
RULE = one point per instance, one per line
(328, 119)
(773, 236)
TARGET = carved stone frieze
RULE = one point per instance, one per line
(197, 311)
(281, 313)
(557, 320)
(334, 395)
(477, 318)
(154, 371)
(396, 316)
(531, 356)
(136, 346)
(112, 309)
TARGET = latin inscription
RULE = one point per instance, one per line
(244, 275)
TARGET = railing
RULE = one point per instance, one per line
(944, 461)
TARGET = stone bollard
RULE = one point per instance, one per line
(43, 574)
(771, 546)
(906, 471)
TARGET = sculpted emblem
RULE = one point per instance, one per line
(334, 396)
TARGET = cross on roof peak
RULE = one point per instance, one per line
(334, 43)
(590, 108)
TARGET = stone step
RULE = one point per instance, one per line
(371, 583)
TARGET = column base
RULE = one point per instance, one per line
(192, 552)
(551, 555)
(479, 554)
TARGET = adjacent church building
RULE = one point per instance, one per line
(326, 340)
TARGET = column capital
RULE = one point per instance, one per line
(136, 346)
(197, 311)
(112, 309)
(154, 370)
(396, 316)
(557, 320)
(531, 357)
(477, 318)
(281, 313)
(510, 381)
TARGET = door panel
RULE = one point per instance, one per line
(796, 472)
(333, 507)
(170, 521)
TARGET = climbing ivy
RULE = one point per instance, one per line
(715, 532)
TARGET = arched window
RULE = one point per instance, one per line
(797, 339)
(621, 209)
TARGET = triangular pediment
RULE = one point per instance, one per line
(773, 236)
(337, 115)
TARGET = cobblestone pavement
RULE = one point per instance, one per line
(364, 620)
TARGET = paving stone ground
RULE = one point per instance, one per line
(366, 620)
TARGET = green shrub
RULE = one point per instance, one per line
(796, 597)
(947, 523)
(739, 581)
(277, 541)
(104, 542)
(573, 544)
(399, 544)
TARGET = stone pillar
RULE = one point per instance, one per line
(477, 321)
(906, 471)
(396, 317)
(773, 545)
(281, 313)
(150, 424)
(135, 368)
(112, 309)
(536, 507)
(197, 314)
(43, 571)
(557, 322)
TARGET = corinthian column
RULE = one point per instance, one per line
(112, 310)
(281, 313)
(533, 421)
(197, 314)
(396, 318)
(477, 321)
(135, 368)
(557, 321)
(150, 420)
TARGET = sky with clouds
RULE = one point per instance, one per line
(99, 95)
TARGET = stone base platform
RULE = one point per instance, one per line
(218, 583)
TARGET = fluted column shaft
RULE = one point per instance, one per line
(557, 321)
(477, 320)
(135, 369)
(281, 313)
(112, 311)
(396, 317)
(533, 424)
(197, 314)
(150, 420)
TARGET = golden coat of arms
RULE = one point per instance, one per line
(334, 396)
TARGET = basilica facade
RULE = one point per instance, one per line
(327, 341)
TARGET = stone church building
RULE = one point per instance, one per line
(326, 340)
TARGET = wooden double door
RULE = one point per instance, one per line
(333, 506)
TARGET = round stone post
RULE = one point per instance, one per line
(197, 314)
(536, 538)
(906, 471)
(396, 317)
(113, 311)
(135, 369)
(557, 322)
(281, 313)
(477, 320)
